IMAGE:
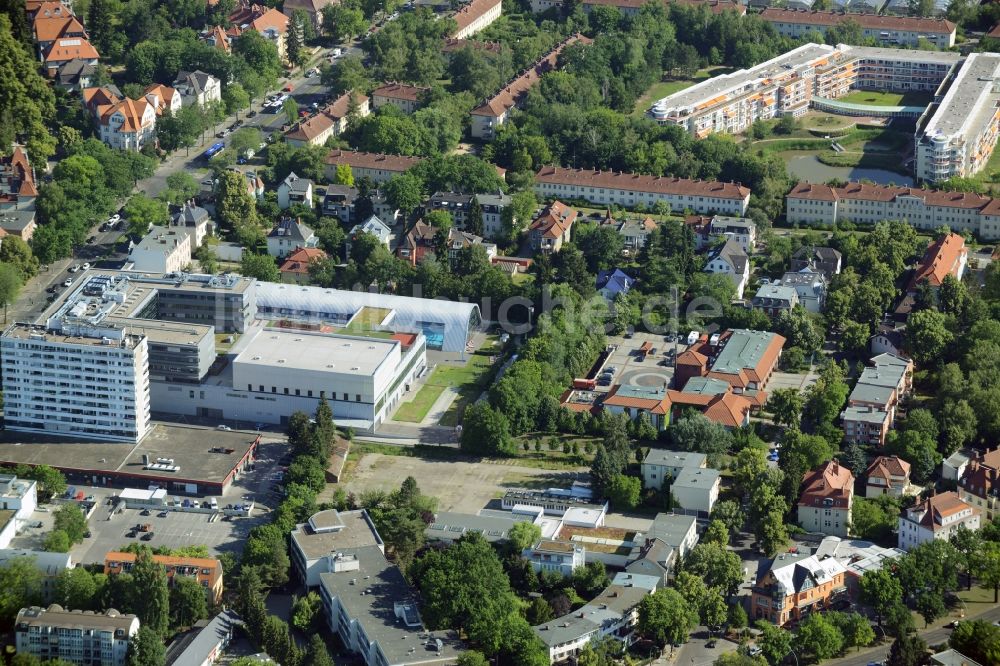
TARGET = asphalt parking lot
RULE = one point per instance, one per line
(632, 368)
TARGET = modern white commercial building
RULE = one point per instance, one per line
(75, 380)
(361, 377)
(18, 499)
(937, 517)
(83, 638)
(162, 250)
(956, 137)
(628, 189)
(788, 84)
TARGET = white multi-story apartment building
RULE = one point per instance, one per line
(163, 250)
(789, 83)
(937, 517)
(76, 381)
(199, 88)
(662, 465)
(128, 125)
(87, 639)
(555, 555)
(403, 96)
(956, 137)
(926, 210)
(628, 189)
(475, 16)
(888, 30)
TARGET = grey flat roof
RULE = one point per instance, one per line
(199, 649)
(969, 104)
(358, 532)
(670, 528)
(188, 446)
(369, 593)
(449, 525)
(865, 415)
(167, 332)
(675, 458)
(693, 477)
(305, 350)
(609, 605)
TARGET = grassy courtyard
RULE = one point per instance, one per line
(469, 379)
(875, 98)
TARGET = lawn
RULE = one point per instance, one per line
(661, 89)
(469, 379)
(875, 98)
(415, 410)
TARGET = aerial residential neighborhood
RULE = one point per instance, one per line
(469, 332)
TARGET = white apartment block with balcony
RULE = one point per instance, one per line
(84, 638)
(76, 380)
(788, 84)
(960, 133)
(555, 555)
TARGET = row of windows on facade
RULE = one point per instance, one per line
(298, 392)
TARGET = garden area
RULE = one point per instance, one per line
(879, 98)
(469, 380)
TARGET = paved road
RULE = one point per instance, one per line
(33, 298)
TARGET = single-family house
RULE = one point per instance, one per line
(295, 190)
(824, 259)
(552, 228)
(887, 475)
(730, 259)
(296, 265)
(339, 201)
(289, 235)
(372, 226)
(826, 499)
(611, 283)
(198, 87)
(774, 299)
(811, 286)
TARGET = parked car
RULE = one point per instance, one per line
(86, 267)
(114, 219)
(75, 268)
(131, 534)
(148, 536)
(162, 514)
(288, 87)
(223, 427)
(67, 283)
(144, 512)
(251, 113)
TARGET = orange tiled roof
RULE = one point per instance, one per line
(871, 21)
(942, 258)
(165, 93)
(20, 169)
(372, 160)
(403, 91)
(47, 9)
(511, 94)
(298, 261)
(555, 220)
(50, 29)
(939, 506)
(829, 481)
(472, 11)
(69, 48)
(694, 358)
(641, 183)
(131, 109)
(888, 468)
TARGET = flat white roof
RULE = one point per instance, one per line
(302, 350)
